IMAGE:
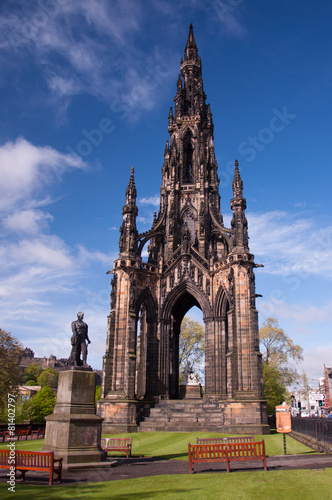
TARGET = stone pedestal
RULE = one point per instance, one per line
(73, 431)
(191, 391)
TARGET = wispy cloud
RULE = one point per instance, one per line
(88, 47)
(25, 169)
(291, 243)
(151, 200)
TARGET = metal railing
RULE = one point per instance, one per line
(317, 428)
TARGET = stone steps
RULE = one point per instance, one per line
(184, 416)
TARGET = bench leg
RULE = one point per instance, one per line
(264, 462)
(22, 477)
(227, 464)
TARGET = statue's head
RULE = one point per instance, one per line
(80, 316)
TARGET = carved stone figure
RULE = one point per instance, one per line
(79, 341)
(189, 377)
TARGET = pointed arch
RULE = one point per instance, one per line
(222, 303)
(182, 298)
(146, 347)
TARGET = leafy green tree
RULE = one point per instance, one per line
(40, 405)
(97, 393)
(191, 346)
(48, 377)
(31, 373)
(279, 352)
(31, 382)
(10, 372)
(274, 390)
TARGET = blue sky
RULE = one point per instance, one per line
(85, 92)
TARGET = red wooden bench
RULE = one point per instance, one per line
(33, 460)
(117, 444)
(22, 434)
(3, 435)
(234, 439)
(38, 434)
(227, 452)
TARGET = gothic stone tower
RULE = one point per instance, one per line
(194, 260)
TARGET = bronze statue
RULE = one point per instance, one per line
(79, 340)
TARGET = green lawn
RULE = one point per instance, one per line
(294, 484)
(174, 445)
(271, 485)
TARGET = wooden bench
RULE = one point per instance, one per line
(38, 434)
(32, 460)
(117, 444)
(226, 452)
(3, 435)
(22, 434)
(234, 439)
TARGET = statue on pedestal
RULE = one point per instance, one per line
(189, 377)
(79, 341)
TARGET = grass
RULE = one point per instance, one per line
(174, 445)
(246, 485)
(295, 484)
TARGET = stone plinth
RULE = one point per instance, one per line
(191, 391)
(73, 431)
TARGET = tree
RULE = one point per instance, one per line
(40, 405)
(31, 374)
(278, 351)
(10, 373)
(48, 377)
(274, 390)
(191, 345)
(97, 394)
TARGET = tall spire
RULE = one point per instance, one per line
(131, 190)
(128, 230)
(237, 182)
(238, 205)
(191, 53)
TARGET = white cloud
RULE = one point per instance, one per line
(291, 244)
(303, 316)
(96, 49)
(314, 360)
(26, 221)
(45, 250)
(151, 200)
(26, 168)
(86, 255)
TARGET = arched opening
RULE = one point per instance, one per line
(146, 348)
(182, 299)
(191, 344)
(141, 351)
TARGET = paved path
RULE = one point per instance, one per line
(143, 467)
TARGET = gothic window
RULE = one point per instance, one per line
(188, 158)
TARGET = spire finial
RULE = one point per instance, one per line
(190, 52)
(237, 182)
